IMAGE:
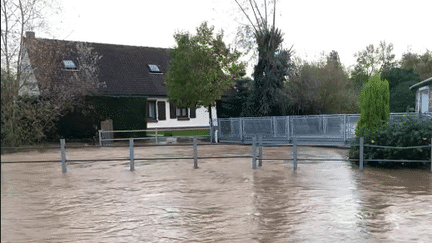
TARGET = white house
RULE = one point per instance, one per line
(132, 71)
(423, 95)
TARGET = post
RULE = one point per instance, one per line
(361, 153)
(131, 154)
(295, 153)
(211, 133)
(63, 155)
(431, 154)
(157, 137)
(254, 153)
(344, 128)
(260, 151)
(100, 138)
(195, 151)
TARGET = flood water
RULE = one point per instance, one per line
(222, 201)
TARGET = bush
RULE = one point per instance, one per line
(374, 103)
(412, 132)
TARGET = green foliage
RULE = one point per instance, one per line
(411, 132)
(235, 102)
(127, 113)
(371, 62)
(201, 68)
(80, 122)
(401, 97)
(374, 103)
(421, 64)
(320, 88)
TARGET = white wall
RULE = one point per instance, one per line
(201, 120)
(28, 79)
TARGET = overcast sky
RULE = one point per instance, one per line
(312, 26)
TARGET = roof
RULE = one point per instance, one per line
(122, 69)
(425, 82)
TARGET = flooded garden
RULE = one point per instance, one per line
(224, 200)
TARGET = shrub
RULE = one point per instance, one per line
(374, 103)
(412, 132)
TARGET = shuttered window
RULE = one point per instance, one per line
(192, 112)
(161, 110)
(172, 111)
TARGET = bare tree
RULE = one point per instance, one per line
(273, 64)
(24, 118)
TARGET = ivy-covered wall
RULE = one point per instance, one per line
(127, 113)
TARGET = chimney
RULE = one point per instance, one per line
(30, 34)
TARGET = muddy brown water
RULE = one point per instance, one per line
(222, 201)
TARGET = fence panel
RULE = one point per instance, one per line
(281, 127)
(256, 126)
(351, 126)
(307, 126)
(338, 128)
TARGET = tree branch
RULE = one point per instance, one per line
(247, 16)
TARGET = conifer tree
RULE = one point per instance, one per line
(374, 103)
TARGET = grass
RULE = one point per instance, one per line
(179, 133)
(187, 133)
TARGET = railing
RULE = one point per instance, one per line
(312, 129)
(256, 155)
(362, 160)
(106, 136)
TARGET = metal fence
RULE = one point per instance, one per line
(336, 129)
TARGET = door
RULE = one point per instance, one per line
(424, 101)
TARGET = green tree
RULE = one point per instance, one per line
(401, 98)
(235, 100)
(421, 64)
(372, 61)
(374, 103)
(201, 68)
(320, 88)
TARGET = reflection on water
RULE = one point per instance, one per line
(223, 201)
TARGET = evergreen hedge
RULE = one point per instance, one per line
(127, 113)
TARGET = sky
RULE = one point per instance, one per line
(312, 27)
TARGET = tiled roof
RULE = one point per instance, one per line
(123, 69)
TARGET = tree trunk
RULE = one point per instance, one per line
(211, 122)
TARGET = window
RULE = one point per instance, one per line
(69, 65)
(181, 113)
(154, 68)
(152, 110)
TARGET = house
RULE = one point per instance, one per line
(423, 95)
(121, 70)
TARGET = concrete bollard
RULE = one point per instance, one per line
(361, 154)
(131, 154)
(63, 155)
(254, 165)
(295, 153)
(195, 152)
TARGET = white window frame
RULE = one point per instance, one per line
(154, 110)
